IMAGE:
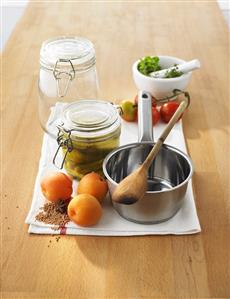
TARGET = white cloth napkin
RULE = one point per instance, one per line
(111, 223)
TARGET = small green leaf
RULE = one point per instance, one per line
(148, 65)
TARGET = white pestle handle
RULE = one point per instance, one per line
(184, 67)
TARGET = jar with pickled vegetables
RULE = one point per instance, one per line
(90, 129)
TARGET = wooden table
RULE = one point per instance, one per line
(195, 266)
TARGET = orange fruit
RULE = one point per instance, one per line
(56, 186)
(93, 184)
(84, 210)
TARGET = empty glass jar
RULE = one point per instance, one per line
(67, 74)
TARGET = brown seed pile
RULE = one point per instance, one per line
(50, 214)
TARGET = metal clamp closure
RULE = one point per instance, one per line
(63, 141)
(176, 92)
(59, 75)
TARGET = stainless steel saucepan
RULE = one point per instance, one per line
(168, 175)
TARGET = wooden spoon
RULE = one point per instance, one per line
(133, 187)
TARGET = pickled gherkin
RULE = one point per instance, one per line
(87, 156)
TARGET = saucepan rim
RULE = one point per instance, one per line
(130, 145)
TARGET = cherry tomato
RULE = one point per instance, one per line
(167, 110)
(153, 101)
(155, 115)
(154, 104)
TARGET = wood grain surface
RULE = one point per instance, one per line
(195, 266)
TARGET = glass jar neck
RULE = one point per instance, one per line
(74, 136)
(68, 65)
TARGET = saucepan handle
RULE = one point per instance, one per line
(145, 128)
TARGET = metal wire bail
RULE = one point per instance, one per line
(176, 92)
(63, 141)
(59, 75)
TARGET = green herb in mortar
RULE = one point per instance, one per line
(148, 65)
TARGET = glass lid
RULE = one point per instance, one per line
(90, 118)
(77, 49)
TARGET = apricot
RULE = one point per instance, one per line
(56, 186)
(93, 184)
(84, 210)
